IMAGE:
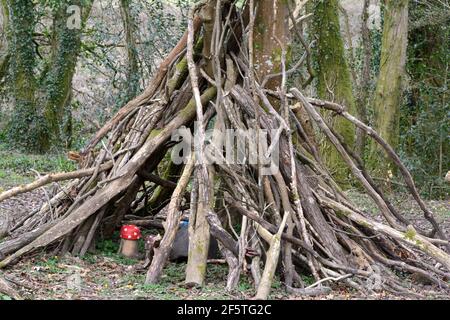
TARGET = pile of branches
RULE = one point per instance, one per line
(294, 222)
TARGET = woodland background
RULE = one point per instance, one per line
(73, 82)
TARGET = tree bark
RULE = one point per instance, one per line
(271, 29)
(365, 77)
(26, 128)
(388, 95)
(333, 79)
(132, 74)
(57, 83)
(40, 101)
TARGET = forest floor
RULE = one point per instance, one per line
(107, 275)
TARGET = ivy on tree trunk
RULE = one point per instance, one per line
(41, 100)
(27, 127)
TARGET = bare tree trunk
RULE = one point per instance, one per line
(364, 84)
(270, 30)
(129, 25)
(388, 95)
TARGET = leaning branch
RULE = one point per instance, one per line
(53, 177)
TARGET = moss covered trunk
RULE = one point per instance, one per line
(129, 25)
(26, 127)
(57, 86)
(333, 78)
(388, 95)
(39, 105)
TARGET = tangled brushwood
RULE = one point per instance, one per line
(295, 222)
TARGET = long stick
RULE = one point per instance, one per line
(53, 177)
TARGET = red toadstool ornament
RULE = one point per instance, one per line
(130, 235)
(130, 232)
